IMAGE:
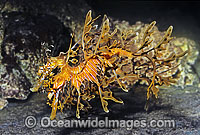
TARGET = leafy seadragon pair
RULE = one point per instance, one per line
(98, 60)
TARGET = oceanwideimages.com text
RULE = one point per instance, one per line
(45, 122)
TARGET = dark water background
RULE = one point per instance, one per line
(183, 15)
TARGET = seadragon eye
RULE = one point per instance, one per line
(74, 61)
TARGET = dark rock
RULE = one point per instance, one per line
(21, 49)
(24, 25)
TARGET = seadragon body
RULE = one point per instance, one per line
(96, 61)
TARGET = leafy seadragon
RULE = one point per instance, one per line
(96, 61)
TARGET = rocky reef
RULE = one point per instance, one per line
(24, 26)
(186, 75)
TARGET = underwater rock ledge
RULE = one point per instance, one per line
(24, 26)
(21, 46)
